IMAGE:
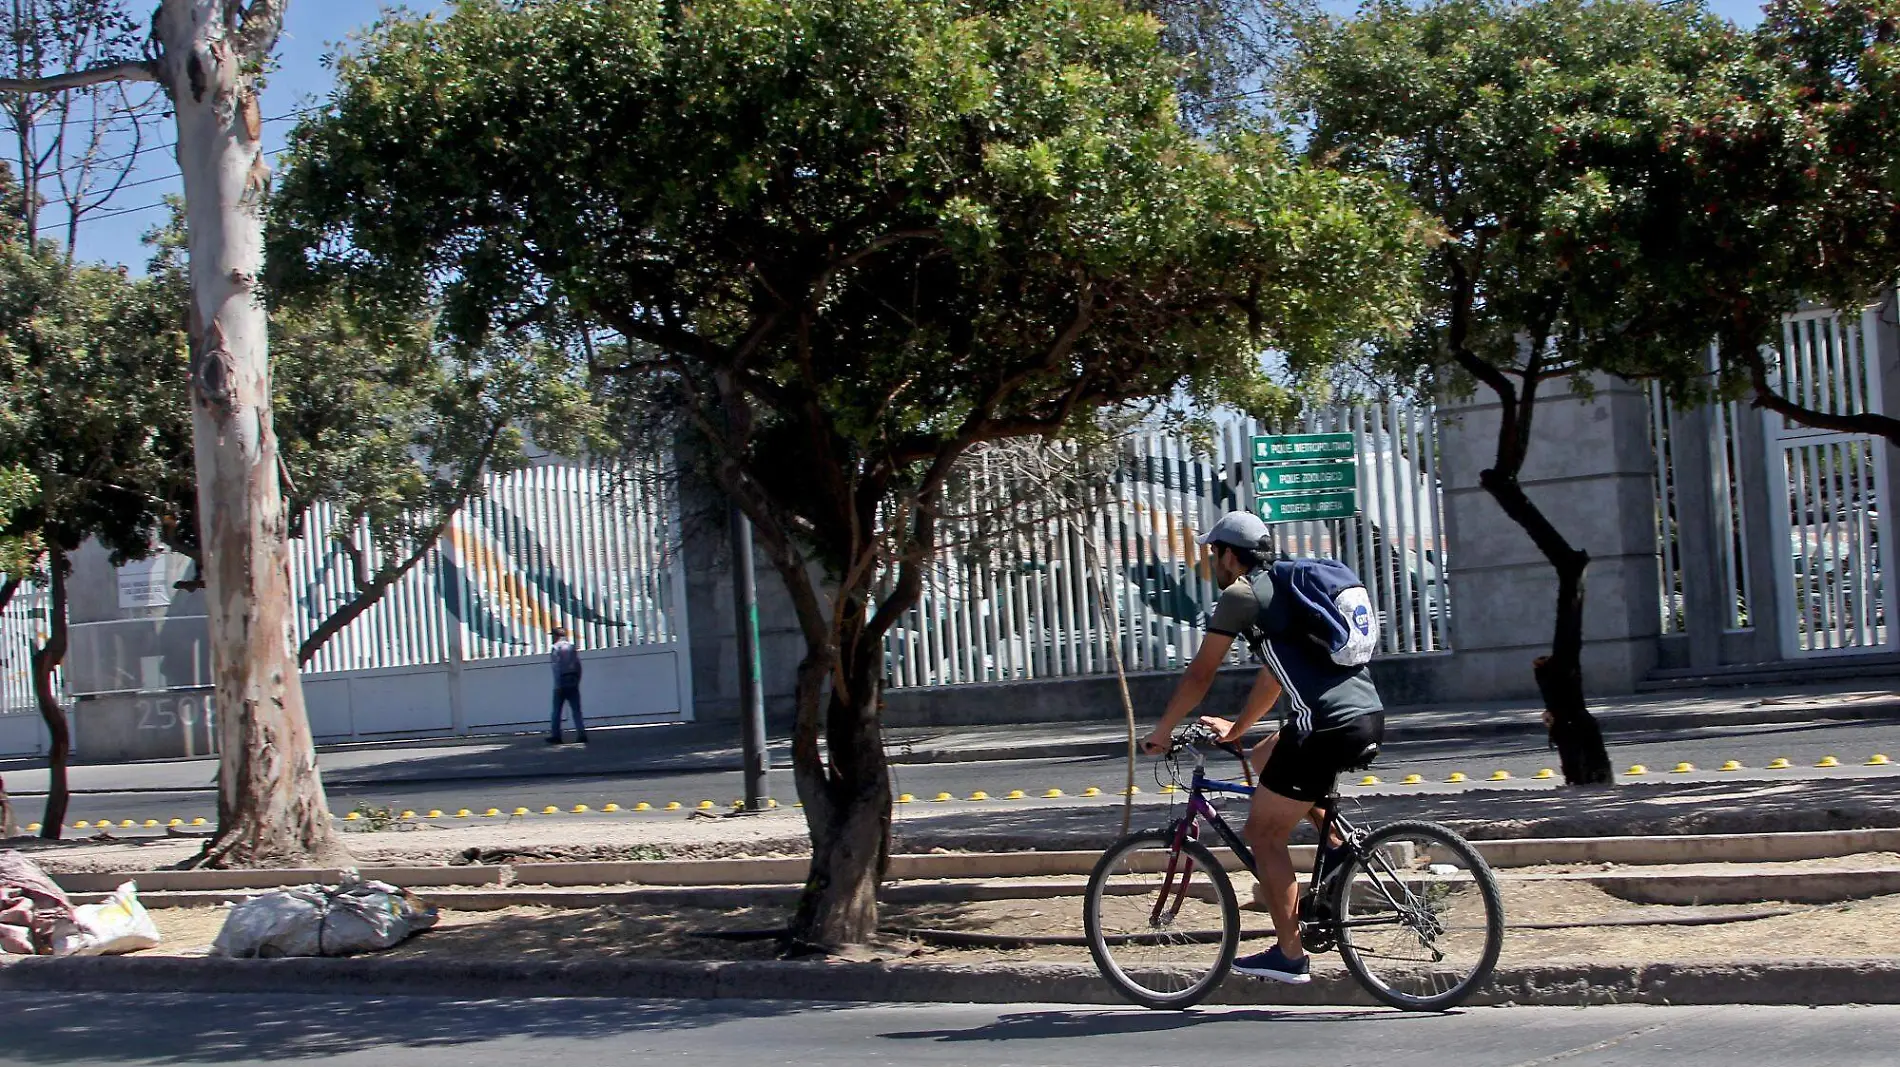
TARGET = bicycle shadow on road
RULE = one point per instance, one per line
(1058, 1024)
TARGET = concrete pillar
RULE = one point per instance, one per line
(1692, 448)
(1591, 470)
(712, 635)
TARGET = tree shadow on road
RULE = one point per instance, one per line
(167, 1029)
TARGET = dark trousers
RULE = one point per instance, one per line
(570, 695)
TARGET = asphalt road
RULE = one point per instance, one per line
(1802, 744)
(401, 1031)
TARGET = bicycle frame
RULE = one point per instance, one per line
(1199, 810)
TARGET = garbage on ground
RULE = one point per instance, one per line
(117, 925)
(315, 920)
(38, 919)
(33, 908)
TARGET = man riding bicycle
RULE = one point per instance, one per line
(1333, 722)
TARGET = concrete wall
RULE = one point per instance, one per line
(1591, 471)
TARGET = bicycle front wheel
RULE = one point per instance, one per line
(1420, 917)
(1162, 925)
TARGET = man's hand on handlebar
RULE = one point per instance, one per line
(1230, 733)
(1157, 743)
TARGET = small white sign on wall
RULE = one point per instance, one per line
(146, 583)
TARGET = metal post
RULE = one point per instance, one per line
(745, 600)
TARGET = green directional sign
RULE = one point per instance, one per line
(1300, 507)
(1302, 446)
(1305, 477)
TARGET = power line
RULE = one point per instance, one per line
(99, 216)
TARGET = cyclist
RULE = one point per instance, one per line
(1334, 721)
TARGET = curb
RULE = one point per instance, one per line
(1815, 982)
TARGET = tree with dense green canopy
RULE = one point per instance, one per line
(845, 241)
(1537, 135)
(93, 411)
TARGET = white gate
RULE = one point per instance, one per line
(1830, 554)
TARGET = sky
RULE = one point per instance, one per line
(313, 29)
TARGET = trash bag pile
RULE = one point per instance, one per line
(38, 919)
(313, 920)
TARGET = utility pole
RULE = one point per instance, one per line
(745, 600)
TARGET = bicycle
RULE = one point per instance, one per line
(1166, 938)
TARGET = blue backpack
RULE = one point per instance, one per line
(1331, 606)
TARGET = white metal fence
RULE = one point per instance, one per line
(1050, 599)
(582, 547)
(1832, 566)
(22, 628)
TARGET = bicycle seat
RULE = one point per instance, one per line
(1365, 757)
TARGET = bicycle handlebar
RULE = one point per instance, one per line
(1197, 735)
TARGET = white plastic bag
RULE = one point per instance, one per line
(118, 925)
(313, 920)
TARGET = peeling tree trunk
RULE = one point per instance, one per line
(271, 805)
(46, 659)
(847, 793)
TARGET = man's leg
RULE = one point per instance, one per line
(1270, 823)
(554, 720)
(580, 725)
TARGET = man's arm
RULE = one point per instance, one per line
(1191, 690)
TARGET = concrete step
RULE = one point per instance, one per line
(1875, 669)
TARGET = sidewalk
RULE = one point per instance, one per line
(691, 748)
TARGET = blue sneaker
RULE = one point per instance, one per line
(1273, 964)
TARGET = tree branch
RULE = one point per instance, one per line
(131, 70)
(1766, 397)
(263, 22)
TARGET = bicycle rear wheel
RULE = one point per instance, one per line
(1163, 926)
(1420, 916)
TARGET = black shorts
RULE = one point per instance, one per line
(1305, 766)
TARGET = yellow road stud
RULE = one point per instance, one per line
(1500, 776)
(1828, 761)
(522, 811)
(176, 822)
(770, 803)
(706, 805)
(1457, 776)
(1370, 779)
(435, 813)
(610, 807)
(1091, 791)
(1544, 774)
(905, 798)
(199, 821)
(1637, 769)
(1015, 794)
(1732, 765)
(1169, 790)
(151, 822)
(463, 813)
(32, 828)
(407, 815)
(643, 806)
(1779, 763)
(979, 795)
(1413, 779)
(1131, 791)
(127, 823)
(942, 798)
(1684, 767)
(353, 816)
(491, 813)
(1878, 760)
(82, 824)
(1052, 794)
(672, 805)
(550, 810)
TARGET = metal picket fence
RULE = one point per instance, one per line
(1050, 597)
(22, 628)
(580, 546)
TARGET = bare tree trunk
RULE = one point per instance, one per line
(271, 805)
(1573, 730)
(847, 796)
(46, 659)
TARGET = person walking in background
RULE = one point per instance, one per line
(566, 661)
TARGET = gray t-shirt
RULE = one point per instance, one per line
(1320, 694)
